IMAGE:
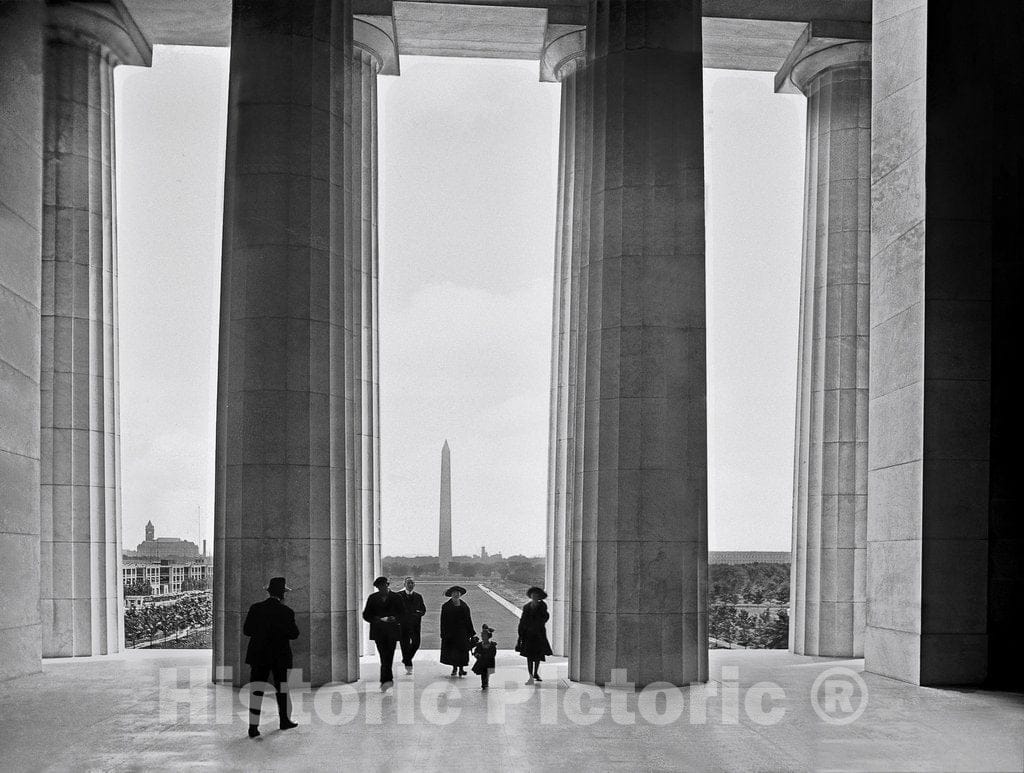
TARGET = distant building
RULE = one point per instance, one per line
(166, 576)
(165, 547)
(749, 557)
(489, 558)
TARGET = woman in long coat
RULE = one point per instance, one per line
(533, 636)
(456, 631)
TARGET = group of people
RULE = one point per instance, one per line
(394, 620)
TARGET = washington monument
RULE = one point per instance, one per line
(444, 539)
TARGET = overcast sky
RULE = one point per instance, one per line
(468, 165)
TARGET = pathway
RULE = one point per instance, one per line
(483, 608)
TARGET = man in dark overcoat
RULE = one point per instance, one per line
(270, 626)
(384, 611)
(414, 611)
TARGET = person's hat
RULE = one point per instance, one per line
(380, 581)
(487, 628)
(277, 586)
(454, 588)
(534, 589)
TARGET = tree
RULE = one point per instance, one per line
(525, 571)
(395, 569)
(762, 580)
(140, 588)
(775, 635)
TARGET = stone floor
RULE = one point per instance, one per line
(137, 711)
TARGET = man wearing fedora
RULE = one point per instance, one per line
(270, 626)
(414, 611)
(384, 611)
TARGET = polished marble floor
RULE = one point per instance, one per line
(157, 710)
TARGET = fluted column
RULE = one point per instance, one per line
(830, 474)
(297, 431)
(372, 53)
(639, 531)
(284, 490)
(578, 305)
(561, 60)
(80, 541)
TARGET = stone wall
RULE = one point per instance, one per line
(943, 534)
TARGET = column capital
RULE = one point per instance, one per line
(565, 48)
(103, 25)
(823, 46)
(376, 36)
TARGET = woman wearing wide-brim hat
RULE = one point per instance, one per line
(456, 631)
(533, 636)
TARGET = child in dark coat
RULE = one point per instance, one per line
(484, 652)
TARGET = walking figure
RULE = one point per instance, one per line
(484, 652)
(384, 611)
(456, 631)
(533, 636)
(414, 611)
(270, 626)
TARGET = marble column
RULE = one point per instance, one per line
(21, 159)
(360, 270)
(830, 473)
(639, 523)
(576, 393)
(374, 52)
(562, 58)
(297, 473)
(80, 518)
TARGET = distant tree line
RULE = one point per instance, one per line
(761, 585)
(731, 587)
(768, 630)
(756, 583)
(749, 583)
(152, 622)
(517, 568)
